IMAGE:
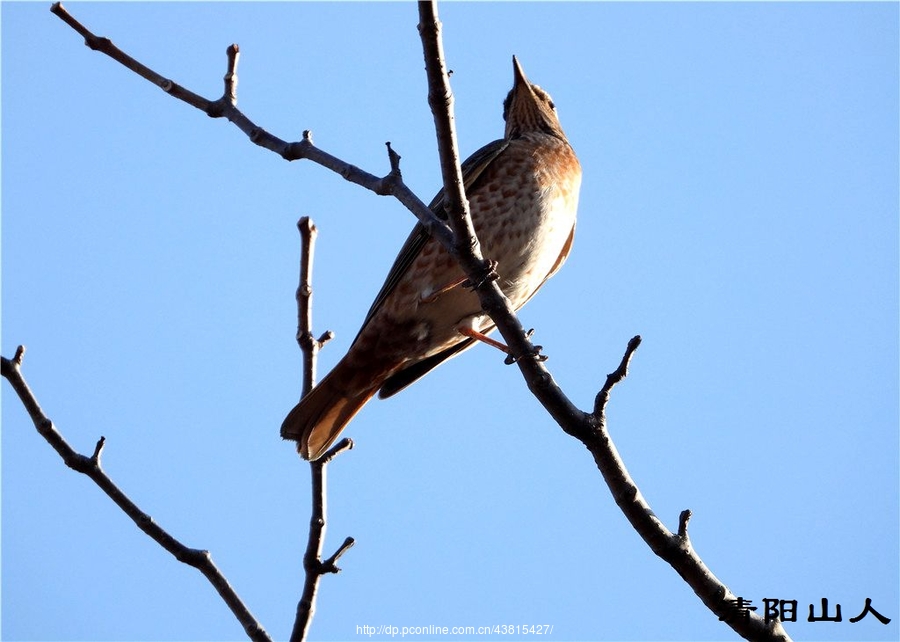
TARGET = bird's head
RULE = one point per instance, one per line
(528, 108)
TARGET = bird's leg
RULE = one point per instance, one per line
(490, 274)
(442, 290)
(478, 336)
(510, 357)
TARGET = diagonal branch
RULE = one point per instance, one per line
(590, 429)
(226, 107)
(466, 247)
(90, 466)
(313, 565)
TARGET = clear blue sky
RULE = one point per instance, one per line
(739, 210)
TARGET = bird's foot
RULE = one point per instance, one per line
(535, 352)
(510, 357)
(489, 274)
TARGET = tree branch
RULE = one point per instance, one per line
(90, 466)
(226, 107)
(309, 345)
(589, 428)
(313, 565)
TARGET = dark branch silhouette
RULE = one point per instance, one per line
(226, 107)
(90, 466)
(459, 240)
(308, 344)
(313, 565)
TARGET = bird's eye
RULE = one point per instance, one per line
(552, 106)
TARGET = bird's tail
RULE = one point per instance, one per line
(320, 417)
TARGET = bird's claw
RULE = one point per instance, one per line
(490, 274)
(535, 352)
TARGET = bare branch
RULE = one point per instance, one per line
(440, 99)
(328, 566)
(90, 466)
(308, 345)
(98, 449)
(615, 377)
(226, 107)
(231, 79)
(313, 565)
(343, 445)
(674, 549)
(683, 520)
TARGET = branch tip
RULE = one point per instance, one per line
(231, 77)
(343, 445)
(327, 336)
(98, 450)
(20, 354)
(306, 226)
(634, 342)
(683, 520)
(328, 566)
(394, 159)
(615, 377)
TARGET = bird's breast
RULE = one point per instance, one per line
(525, 214)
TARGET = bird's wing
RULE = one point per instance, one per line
(472, 169)
(415, 371)
(402, 378)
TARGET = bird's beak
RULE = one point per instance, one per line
(518, 74)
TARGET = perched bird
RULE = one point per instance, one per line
(523, 195)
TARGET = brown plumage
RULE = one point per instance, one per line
(523, 195)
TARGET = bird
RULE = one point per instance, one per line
(523, 196)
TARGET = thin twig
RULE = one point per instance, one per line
(313, 565)
(308, 344)
(226, 107)
(90, 466)
(615, 377)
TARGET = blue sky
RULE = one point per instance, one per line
(739, 210)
